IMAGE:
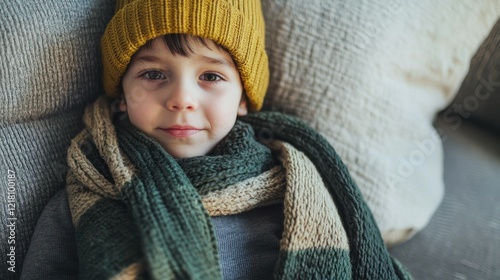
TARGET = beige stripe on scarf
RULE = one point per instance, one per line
(80, 200)
(265, 189)
(130, 272)
(99, 126)
(311, 218)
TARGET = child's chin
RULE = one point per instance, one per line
(185, 152)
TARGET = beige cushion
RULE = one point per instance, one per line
(370, 76)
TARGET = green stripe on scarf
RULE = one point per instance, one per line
(176, 233)
(314, 263)
(114, 239)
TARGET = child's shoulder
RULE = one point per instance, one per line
(53, 227)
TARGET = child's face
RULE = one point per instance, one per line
(187, 104)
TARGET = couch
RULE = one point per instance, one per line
(406, 91)
(462, 240)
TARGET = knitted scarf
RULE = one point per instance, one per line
(141, 214)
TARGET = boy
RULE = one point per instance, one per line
(177, 185)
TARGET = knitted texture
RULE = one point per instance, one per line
(238, 25)
(160, 226)
(50, 70)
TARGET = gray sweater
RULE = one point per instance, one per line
(248, 243)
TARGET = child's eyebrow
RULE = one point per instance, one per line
(146, 58)
(201, 58)
(215, 60)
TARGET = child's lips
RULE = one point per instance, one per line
(181, 131)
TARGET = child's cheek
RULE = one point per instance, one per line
(144, 120)
(137, 96)
(142, 111)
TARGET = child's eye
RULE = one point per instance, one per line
(154, 75)
(210, 77)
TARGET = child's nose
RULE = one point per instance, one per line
(182, 98)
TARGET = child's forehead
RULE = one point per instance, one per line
(184, 45)
(204, 50)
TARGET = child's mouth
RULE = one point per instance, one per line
(181, 131)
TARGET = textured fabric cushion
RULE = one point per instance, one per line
(370, 76)
(462, 241)
(49, 56)
(479, 96)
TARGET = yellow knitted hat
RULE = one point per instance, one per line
(238, 25)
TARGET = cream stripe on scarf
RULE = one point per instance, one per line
(84, 170)
(130, 272)
(311, 218)
(80, 200)
(97, 118)
(98, 121)
(265, 189)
